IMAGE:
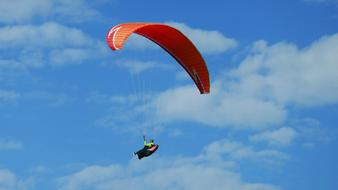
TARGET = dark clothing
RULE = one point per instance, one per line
(146, 151)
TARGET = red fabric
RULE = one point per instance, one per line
(170, 39)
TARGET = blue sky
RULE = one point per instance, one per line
(73, 111)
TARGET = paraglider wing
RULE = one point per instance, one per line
(171, 40)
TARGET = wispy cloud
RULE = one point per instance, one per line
(49, 44)
(47, 35)
(283, 136)
(196, 173)
(69, 56)
(20, 11)
(10, 145)
(129, 113)
(311, 132)
(8, 96)
(237, 151)
(9, 181)
(53, 99)
(118, 100)
(40, 169)
(182, 75)
(178, 177)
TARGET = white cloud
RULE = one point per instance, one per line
(39, 169)
(47, 35)
(182, 75)
(10, 145)
(288, 75)
(19, 11)
(219, 109)
(29, 46)
(68, 56)
(53, 99)
(311, 132)
(75, 11)
(130, 111)
(8, 96)
(9, 181)
(237, 151)
(281, 137)
(207, 41)
(134, 120)
(188, 177)
(119, 100)
(200, 172)
(11, 69)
